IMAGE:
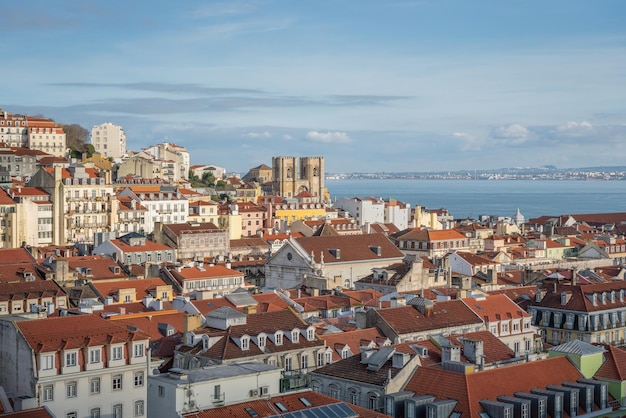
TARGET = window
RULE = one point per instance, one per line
(261, 341)
(47, 393)
(70, 359)
(94, 355)
(320, 359)
(304, 361)
(288, 365)
(116, 352)
(354, 397)
(117, 410)
(117, 382)
(278, 338)
(138, 350)
(70, 389)
(94, 413)
(310, 334)
(244, 343)
(94, 385)
(294, 336)
(72, 414)
(161, 391)
(139, 409)
(373, 402)
(138, 379)
(47, 362)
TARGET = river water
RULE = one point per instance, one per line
(472, 198)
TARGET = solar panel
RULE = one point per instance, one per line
(337, 410)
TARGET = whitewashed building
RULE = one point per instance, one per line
(181, 391)
(76, 366)
(109, 140)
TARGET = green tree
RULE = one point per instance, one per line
(208, 178)
(76, 138)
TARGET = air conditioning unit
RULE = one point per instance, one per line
(254, 392)
(264, 390)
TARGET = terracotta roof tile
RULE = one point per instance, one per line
(408, 319)
(352, 247)
(74, 331)
(470, 389)
(614, 366)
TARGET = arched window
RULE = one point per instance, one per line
(372, 401)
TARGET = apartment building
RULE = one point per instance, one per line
(594, 313)
(76, 366)
(34, 132)
(164, 204)
(135, 249)
(83, 202)
(167, 161)
(109, 140)
(330, 261)
(34, 217)
(193, 241)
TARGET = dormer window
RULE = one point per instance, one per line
(294, 336)
(278, 338)
(261, 341)
(245, 343)
(310, 334)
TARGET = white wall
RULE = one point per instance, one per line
(196, 390)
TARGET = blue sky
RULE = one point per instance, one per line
(370, 85)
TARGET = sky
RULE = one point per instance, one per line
(372, 86)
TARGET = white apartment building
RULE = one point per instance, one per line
(372, 210)
(32, 132)
(180, 391)
(162, 203)
(83, 202)
(34, 221)
(76, 366)
(109, 140)
(166, 161)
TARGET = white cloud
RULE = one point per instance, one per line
(287, 137)
(575, 128)
(329, 137)
(511, 134)
(468, 142)
(263, 135)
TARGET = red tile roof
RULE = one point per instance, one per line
(15, 255)
(142, 286)
(614, 366)
(352, 247)
(581, 298)
(266, 322)
(494, 308)
(408, 319)
(74, 331)
(148, 322)
(29, 290)
(192, 228)
(470, 389)
(40, 412)
(101, 267)
(353, 339)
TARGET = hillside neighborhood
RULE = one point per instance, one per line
(127, 289)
